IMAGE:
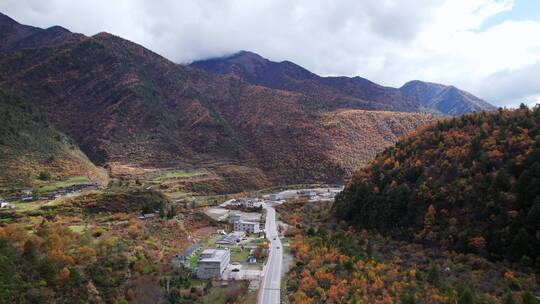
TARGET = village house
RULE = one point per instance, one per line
(26, 195)
(249, 227)
(245, 226)
(249, 202)
(231, 238)
(212, 263)
(5, 205)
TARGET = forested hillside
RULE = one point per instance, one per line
(126, 106)
(32, 150)
(470, 184)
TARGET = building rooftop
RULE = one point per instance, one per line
(228, 239)
(213, 255)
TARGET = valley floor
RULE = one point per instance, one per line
(305, 256)
(141, 232)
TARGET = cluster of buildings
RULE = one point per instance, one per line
(312, 195)
(27, 195)
(248, 202)
(213, 262)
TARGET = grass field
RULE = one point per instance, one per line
(65, 183)
(224, 294)
(77, 228)
(239, 255)
(28, 206)
(177, 174)
(194, 260)
(211, 241)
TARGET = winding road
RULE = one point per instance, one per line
(269, 292)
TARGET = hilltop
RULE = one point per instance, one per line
(468, 184)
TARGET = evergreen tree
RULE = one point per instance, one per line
(533, 218)
(466, 297)
(434, 277)
(509, 299)
(529, 298)
(369, 249)
(502, 181)
(408, 298)
(520, 245)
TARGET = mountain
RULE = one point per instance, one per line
(18, 36)
(469, 184)
(444, 99)
(126, 106)
(345, 92)
(30, 146)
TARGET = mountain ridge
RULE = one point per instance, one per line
(355, 91)
(126, 105)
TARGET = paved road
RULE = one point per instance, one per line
(271, 282)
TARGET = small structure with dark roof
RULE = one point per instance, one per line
(186, 255)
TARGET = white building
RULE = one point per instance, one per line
(5, 205)
(327, 195)
(212, 263)
(249, 202)
(246, 226)
(235, 217)
(249, 227)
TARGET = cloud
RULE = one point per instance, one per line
(510, 88)
(387, 41)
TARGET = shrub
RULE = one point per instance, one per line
(44, 175)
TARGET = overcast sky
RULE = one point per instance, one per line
(488, 47)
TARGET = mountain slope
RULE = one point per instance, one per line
(357, 135)
(127, 106)
(29, 145)
(444, 99)
(19, 36)
(124, 103)
(345, 92)
(469, 184)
